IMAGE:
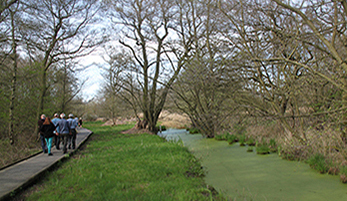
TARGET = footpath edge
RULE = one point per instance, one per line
(34, 178)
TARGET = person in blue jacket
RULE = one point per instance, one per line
(73, 125)
(55, 121)
(64, 131)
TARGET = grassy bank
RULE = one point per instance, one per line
(114, 166)
(23, 148)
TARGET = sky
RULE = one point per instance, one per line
(93, 74)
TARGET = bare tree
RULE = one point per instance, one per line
(259, 31)
(4, 6)
(147, 25)
(284, 48)
(66, 85)
(60, 30)
(325, 23)
(207, 84)
(117, 63)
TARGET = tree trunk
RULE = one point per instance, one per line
(14, 80)
(141, 124)
(43, 89)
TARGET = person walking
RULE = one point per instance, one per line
(55, 121)
(42, 138)
(73, 125)
(80, 122)
(64, 131)
(47, 129)
(76, 119)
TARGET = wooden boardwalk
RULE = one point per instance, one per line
(24, 173)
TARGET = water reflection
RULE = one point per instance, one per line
(173, 134)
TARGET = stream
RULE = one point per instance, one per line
(243, 175)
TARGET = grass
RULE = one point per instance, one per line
(116, 166)
(242, 140)
(162, 128)
(250, 142)
(222, 137)
(194, 130)
(262, 148)
(273, 145)
(23, 147)
(231, 139)
(250, 149)
(318, 163)
(343, 174)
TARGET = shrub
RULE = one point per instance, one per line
(231, 139)
(242, 140)
(250, 142)
(194, 131)
(262, 148)
(219, 137)
(250, 149)
(273, 145)
(239, 128)
(90, 117)
(343, 174)
(318, 163)
(163, 128)
(222, 137)
(293, 153)
(343, 178)
(333, 170)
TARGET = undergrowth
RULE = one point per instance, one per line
(22, 148)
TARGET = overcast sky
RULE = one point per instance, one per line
(93, 75)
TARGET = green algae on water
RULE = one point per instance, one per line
(247, 176)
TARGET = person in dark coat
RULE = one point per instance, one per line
(80, 122)
(48, 129)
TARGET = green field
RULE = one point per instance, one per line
(114, 166)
